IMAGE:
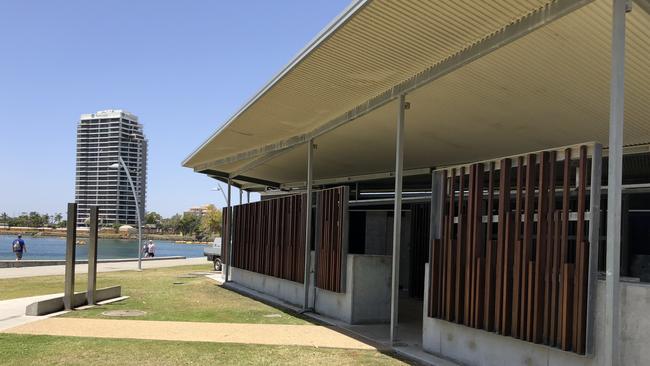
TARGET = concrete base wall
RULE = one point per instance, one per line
(371, 288)
(476, 347)
(56, 304)
(288, 291)
(366, 298)
(367, 295)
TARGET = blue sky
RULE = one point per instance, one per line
(183, 67)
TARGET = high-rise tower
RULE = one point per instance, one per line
(102, 138)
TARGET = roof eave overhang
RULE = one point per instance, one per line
(321, 37)
(506, 35)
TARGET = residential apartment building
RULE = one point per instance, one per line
(102, 138)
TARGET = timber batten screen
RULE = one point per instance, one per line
(331, 238)
(269, 237)
(520, 264)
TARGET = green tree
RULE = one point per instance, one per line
(171, 224)
(57, 219)
(211, 221)
(116, 226)
(152, 218)
(189, 224)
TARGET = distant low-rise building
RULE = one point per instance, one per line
(197, 210)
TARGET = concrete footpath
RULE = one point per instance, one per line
(268, 334)
(101, 267)
(12, 312)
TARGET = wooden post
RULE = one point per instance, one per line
(68, 295)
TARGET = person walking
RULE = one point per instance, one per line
(151, 249)
(18, 246)
(145, 250)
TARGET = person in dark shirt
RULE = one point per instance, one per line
(18, 247)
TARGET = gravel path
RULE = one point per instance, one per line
(268, 334)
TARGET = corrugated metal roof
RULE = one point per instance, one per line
(382, 44)
(549, 88)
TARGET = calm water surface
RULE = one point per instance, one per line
(54, 248)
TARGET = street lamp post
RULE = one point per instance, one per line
(137, 207)
(218, 188)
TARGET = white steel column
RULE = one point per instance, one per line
(310, 156)
(397, 219)
(228, 242)
(614, 182)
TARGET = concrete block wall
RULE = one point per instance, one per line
(471, 346)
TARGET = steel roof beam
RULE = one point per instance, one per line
(506, 35)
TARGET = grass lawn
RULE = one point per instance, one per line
(47, 350)
(153, 290)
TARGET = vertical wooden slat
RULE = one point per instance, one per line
(452, 303)
(564, 244)
(517, 275)
(550, 226)
(461, 311)
(507, 290)
(478, 241)
(527, 244)
(555, 281)
(504, 208)
(540, 249)
(516, 290)
(469, 251)
(567, 304)
(580, 307)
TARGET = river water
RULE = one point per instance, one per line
(54, 248)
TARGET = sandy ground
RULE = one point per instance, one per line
(268, 334)
(101, 267)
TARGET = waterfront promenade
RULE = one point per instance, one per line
(101, 267)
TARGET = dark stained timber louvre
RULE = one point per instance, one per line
(269, 237)
(331, 238)
(419, 250)
(513, 256)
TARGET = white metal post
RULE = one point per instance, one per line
(397, 219)
(228, 242)
(137, 208)
(310, 156)
(614, 184)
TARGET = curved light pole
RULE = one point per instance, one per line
(137, 207)
(218, 188)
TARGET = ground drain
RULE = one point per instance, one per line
(179, 283)
(124, 313)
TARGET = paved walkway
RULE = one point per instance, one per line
(269, 334)
(101, 267)
(12, 312)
